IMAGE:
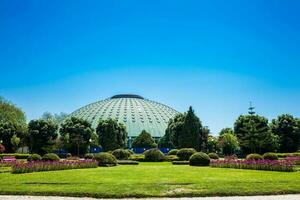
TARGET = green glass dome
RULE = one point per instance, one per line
(134, 111)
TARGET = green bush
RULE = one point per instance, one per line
(105, 159)
(154, 155)
(137, 157)
(199, 159)
(16, 155)
(173, 152)
(213, 156)
(88, 156)
(270, 156)
(127, 162)
(50, 157)
(130, 151)
(283, 155)
(171, 158)
(254, 156)
(34, 157)
(181, 162)
(185, 153)
(121, 154)
(68, 155)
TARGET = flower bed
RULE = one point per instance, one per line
(269, 165)
(38, 166)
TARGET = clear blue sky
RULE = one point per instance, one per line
(214, 55)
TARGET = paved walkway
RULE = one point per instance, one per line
(276, 197)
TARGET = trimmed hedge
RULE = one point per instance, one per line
(130, 151)
(173, 152)
(121, 154)
(199, 159)
(127, 162)
(89, 156)
(254, 156)
(105, 159)
(185, 153)
(213, 156)
(34, 157)
(137, 157)
(154, 155)
(50, 157)
(16, 155)
(283, 155)
(171, 158)
(181, 162)
(270, 156)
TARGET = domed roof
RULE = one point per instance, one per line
(132, 110)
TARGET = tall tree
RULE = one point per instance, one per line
(144, 140)
(226, 130)
(288, 129)
(42, 136)
(212, 144)
(12, 122)
(112, 135)
(228, 142)
(76, 133)
(186, 130)
(253, 134)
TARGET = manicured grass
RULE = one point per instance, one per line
(151, 180)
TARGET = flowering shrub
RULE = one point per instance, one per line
(254, 156)
(38, 166)
(269, 165)
(2, 148)
(294, 159)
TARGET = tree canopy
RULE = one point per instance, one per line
(228, 142)
(76, 133)
(112, 135)
(287, 128)
(42, 135)
(144, 140)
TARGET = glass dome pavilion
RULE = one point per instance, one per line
(134, 111)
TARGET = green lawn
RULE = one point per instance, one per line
(151, 179)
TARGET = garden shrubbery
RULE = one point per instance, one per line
(154, 155)
(105, 159)
(121, 154)
(171, 158)
(34, 157)
(137, 157)
(89, 156)
(199, 159)
(173, 152)
(50, 157)
(213, 156)
(270, 156)
(16, 155)
(180, 162)
(185, 153)
(127, 162)
(254, 156)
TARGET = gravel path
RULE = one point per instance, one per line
(275, 197)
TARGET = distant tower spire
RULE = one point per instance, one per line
(251, 109)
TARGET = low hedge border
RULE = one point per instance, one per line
(181, 162)
(127, 162)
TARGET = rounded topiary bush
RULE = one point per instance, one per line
(121, 154)
(154, 155)
(130, 151)
(68, 155)
(213, 156)
(173, 152)
(88, 156)
(185, 153)
(105, 159)
(34, 157)
(270, 156)
(254, 156)
(50, 157)
(199, 159)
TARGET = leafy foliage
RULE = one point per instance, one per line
(288, 129)
(270, 156)
(173, 152)
(88, 156)
(105, 159)
(34, 157)
(112, 135)
(42, 135)
(121, 154)
(76, 133)
(154, 155)
(144, 140)
(199, 159)
(50, 157)
(12, 122)
(228, 142)
(253, 134)
(213, 156)
(212, 144)
(185, 153)
(2, 148)
(254, 156)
